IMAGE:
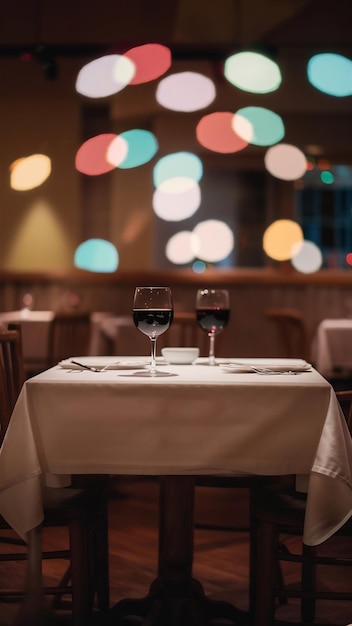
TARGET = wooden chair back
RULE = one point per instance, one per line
(11, 375)
(291, 332)
(69, 335)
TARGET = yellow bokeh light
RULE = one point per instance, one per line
(280, 238)
(29, 172)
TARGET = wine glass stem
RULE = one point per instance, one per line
(153, 355)
(211, 350)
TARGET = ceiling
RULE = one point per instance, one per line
(204, 31)
(188, 25)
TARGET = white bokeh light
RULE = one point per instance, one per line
(306, 257)
(285, 161)
(242, 127)
(182, 247)
(176, 199)
(185, 91)
(117, 151)
(216, 240)
(105, 76)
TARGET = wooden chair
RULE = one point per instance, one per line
(82, 511)
(69, 335)
(291, 332)
(277, 512)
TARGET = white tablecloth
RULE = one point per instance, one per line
(194, 419)
(332, 347)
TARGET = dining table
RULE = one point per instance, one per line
(35, 333)
(332, 348)
(257, 417)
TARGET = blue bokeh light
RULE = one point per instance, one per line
(331, 73)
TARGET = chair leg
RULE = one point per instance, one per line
(266, 551)
(309, 576)
(79, 571)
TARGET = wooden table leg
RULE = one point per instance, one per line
(176, 598)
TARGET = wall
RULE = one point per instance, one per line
(327, 295)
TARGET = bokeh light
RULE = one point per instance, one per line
(307, 258)
(181, 247)
(185, 91)
(29, 172)
(151, 61)
(117, 151)
(215, 132)
(215, 241)
(264, 127)
(105, 76)
(96, 255)
(327, 177)
(280, 237)
(199, 267)
(330, 73)
(253, 72)
(142, 146)
(285, 161)
(178, 164)
(92, 156)
(176, 199)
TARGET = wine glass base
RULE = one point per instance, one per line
(149, 374)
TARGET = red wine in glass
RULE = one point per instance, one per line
(150, 321)
(213, 319)
(213, 314)
(152, 315)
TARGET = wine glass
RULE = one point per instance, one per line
(153, 315)
(213, 313)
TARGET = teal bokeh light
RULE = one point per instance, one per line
(199, 267)
(267, 126)
(327, 177)
(96, 255)
(178, 164)
(331, 73)
(142, 146)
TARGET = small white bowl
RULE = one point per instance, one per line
(180, 356)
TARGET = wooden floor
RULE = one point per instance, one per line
(220, 560)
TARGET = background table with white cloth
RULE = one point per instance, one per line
(332, 348)
(35, 334)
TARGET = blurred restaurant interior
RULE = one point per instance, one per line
(44, 46)
(195, 145)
